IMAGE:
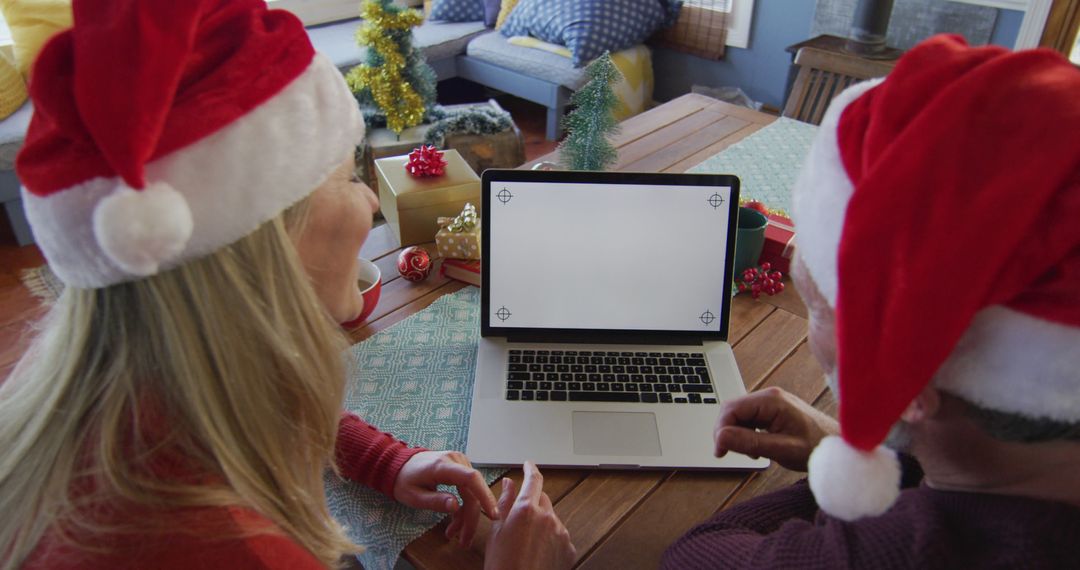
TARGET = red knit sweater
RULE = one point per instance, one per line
(925, 529)
(364, 454)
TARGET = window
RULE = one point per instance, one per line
(738, 14)
(313, 12)
(705, 27)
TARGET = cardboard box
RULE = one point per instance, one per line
(779, 248)
(412, 206)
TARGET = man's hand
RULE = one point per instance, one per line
(790, 428)
(417, 482)
(529, 534)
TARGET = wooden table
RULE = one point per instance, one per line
(624, 519)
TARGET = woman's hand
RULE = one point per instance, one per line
(416, 486)
(791, 428)
(528, 534)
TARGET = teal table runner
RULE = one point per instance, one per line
(413, 380)
(766, 162)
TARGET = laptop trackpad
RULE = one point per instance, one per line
(616, 433)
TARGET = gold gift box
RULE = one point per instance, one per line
(457, 245)
(412, 206)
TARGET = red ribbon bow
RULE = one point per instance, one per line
(426, 161)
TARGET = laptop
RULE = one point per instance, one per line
(604, 320)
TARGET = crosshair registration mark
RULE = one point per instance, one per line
(503, 313)
(504, 195)
(716, 200)
(707, 317)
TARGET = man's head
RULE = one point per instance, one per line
(999, 425)
(935, 253)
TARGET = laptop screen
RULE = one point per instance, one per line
(607, 255)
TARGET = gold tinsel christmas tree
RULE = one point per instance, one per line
(395, 79)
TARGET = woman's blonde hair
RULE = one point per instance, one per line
(228, 363)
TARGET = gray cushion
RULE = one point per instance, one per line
(495, 49)
(12, 134)
(441, 40)
(436, 40)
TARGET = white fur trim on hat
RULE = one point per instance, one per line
(233, 180)
(821, 194)
(850, 484)
(1013, 362)
(140, 230)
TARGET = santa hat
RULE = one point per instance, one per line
(937, 213)
(163, 131)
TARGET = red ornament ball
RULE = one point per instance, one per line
(414, 263)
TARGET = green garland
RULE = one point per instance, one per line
(485, 120)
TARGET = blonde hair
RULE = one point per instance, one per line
(229, 362)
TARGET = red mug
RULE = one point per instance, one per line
(370, 281)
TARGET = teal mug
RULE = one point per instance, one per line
(749, 239)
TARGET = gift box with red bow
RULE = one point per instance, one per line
(412, 204)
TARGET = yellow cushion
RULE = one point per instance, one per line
(504, 12)
(531, 42)
(12, 87)
(32, 23)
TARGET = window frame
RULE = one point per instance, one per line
(6, 42)
(741, 17)
(315, 12)
(1033, 24)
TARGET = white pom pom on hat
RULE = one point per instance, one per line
(139, 230)
(850, 484)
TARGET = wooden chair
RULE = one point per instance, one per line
(822, 76)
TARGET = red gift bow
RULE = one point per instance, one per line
(426, 161)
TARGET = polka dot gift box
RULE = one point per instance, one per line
(459, 238)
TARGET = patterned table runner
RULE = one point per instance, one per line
(766, 162)
(413, 380)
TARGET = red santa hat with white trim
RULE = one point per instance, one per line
(937, 213)
(163, 131)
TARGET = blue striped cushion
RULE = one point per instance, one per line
(591, 27)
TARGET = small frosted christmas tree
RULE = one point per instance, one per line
(589, 125)
(395, 85)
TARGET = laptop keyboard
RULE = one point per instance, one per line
(606, 376)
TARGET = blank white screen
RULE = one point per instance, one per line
(607, 256)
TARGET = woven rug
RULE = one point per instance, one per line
(42, 283)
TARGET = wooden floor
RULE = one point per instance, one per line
(19, 309)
